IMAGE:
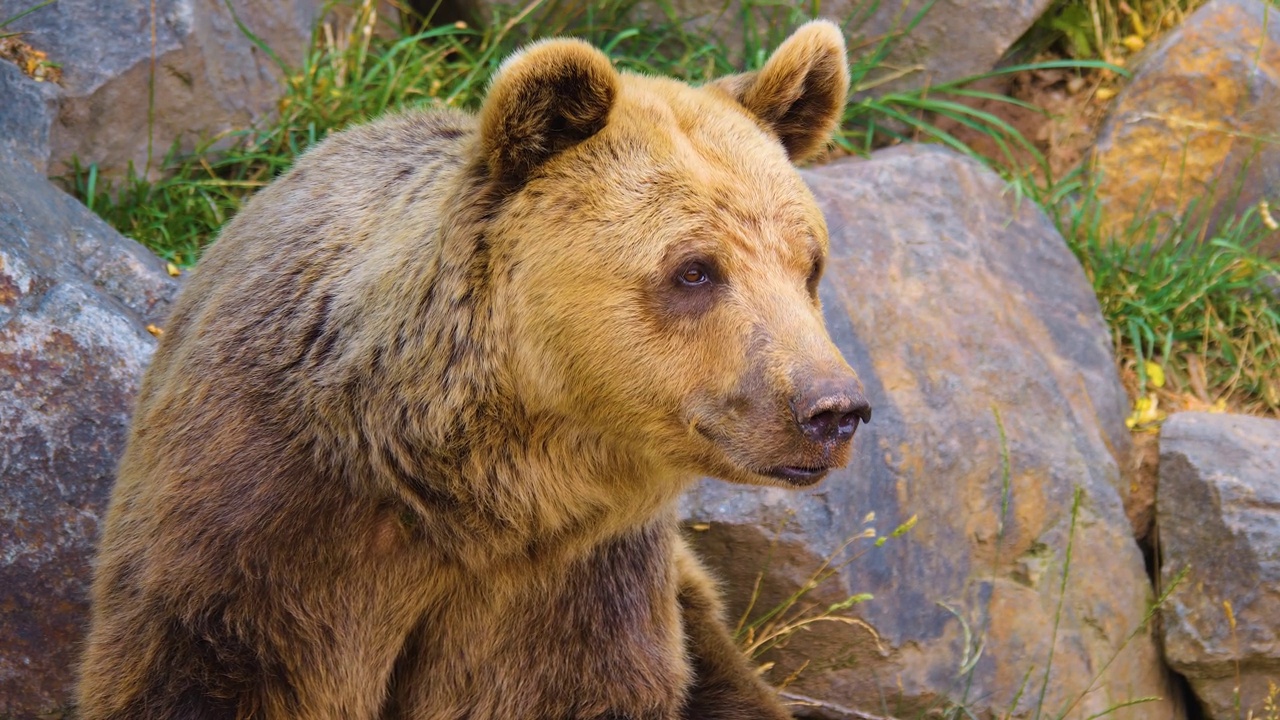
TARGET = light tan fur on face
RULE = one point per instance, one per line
(410, 443)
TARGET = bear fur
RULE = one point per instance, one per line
(412, 439)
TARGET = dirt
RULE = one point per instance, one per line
(32, 62)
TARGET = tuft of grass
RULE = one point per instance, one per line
(914, 116)
(351, 74)
(1192, 306)
(798, 613)
(1109, 30)
(1190, 299)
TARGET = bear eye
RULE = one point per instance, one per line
(695, 274)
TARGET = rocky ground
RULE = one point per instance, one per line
(1032, 540)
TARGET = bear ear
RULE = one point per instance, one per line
(544, 99)
(800, 92)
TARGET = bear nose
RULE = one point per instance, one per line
(831, 416)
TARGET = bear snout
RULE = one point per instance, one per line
(829, 410)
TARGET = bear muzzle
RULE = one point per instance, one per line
(826, 415)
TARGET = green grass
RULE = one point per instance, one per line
(353, 74)
(349, 76)
(1191, 296)
(1188, 294)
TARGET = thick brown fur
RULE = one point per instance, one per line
(410, 443)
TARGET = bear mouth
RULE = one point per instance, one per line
(794, 475)
(797, 474)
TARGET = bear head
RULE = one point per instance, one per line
(662, 257)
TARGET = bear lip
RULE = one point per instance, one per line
(797, 475)
(794, 475)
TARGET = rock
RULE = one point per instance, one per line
(963, 311)
(934, 51)
(25, 117)
(75, 298)
(209, 77)
(1218, 513)
(1197, 122)
(955, 38)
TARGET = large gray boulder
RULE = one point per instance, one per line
(966, 316)
(1218, 513)
(208, 76)
(75, 300)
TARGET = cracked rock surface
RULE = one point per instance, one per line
(75, 300)
(1218, 511)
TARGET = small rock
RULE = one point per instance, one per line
(1218, 514)
(954, 300)
(74, 299)
(1198, 121)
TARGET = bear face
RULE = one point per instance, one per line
(691, 332)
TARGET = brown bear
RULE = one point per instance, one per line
(411, 442)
